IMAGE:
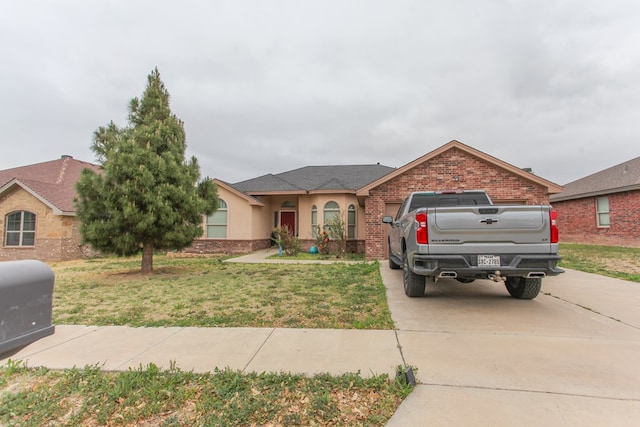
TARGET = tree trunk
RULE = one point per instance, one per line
(147, 258)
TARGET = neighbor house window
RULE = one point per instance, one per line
(602, 211)
(351, 222)
(217, 223)
(314, 221)
(20, 229)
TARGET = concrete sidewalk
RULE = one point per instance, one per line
(263, 256)
(306, 351)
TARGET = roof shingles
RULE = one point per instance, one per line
(622, 177)
(315, 178)
(53, 181)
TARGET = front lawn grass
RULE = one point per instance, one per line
(205, 291)
(612, 261)
(208, 292)
(153, 397)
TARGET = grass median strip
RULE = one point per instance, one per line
(151, 396)
(207, 292)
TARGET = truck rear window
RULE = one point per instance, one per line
(443, 200)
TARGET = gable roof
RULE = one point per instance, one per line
(616, 179)
(315, 179)
(236, 192)
(52, 182)
(551, 187)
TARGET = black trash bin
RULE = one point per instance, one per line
(26, 303)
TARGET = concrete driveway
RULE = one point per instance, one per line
(569, 357)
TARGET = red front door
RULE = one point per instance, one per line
(288, 219)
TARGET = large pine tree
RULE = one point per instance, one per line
(148, 196)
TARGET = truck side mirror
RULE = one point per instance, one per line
(387, 219)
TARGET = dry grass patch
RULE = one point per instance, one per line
(153, 397)
(613, 261)
(210, 292)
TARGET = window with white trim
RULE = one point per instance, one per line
(602, 211)
(351, 222)
(217, 222)
(20, 229)
(331, 210)
(314, 221)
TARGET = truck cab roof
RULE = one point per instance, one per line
(427, 199)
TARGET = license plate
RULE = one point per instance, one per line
(488, 261)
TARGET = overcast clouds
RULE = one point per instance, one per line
(269, 86)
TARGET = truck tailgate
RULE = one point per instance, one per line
(489, 224)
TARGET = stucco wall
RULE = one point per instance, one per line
(249, 227)
(320, 200)
(57, 237)
(577, 221)
(452, 170)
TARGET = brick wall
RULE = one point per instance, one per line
(452, 170)
(577, 221)
(223, 246)
(353, 246)
(57, 236)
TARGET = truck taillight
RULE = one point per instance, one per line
(553, 216)
(422, 237)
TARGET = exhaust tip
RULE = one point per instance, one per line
(536, 275)
(448, 275)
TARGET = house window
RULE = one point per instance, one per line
(314, 221)
(331, 217)
(217, 223)
(288, 204)
(602, 211)
(20, 229)
(331, 211)
(351, 222)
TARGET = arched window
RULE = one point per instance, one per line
(331, 211)
(314, 221)
(20, 229)
(217, 223)
(351, 222)
(288, 204)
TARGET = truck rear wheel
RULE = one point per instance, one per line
(413, 283)
(523, 288)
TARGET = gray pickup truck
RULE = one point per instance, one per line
(461, 235)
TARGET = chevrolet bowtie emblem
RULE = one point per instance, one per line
(488, 221)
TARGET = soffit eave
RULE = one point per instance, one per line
(597, 193)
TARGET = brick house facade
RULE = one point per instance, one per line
(256, 206)
(44, 194)
(453, 166)
(602, 208)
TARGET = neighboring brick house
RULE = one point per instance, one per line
(37, 212)
(602, 208)
(304, 198)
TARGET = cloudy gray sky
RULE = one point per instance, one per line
(269, 86)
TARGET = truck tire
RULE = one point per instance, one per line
(413, 283)
(523, 288)
(392, 264)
